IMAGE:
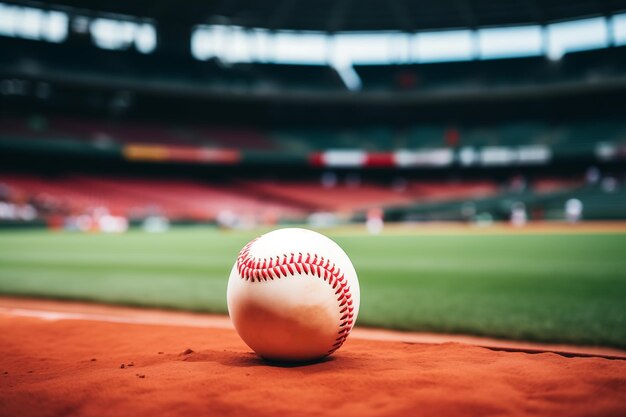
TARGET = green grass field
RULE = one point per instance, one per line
(541, 287)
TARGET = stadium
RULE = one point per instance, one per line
(469, 157)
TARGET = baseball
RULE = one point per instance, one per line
(293, 295)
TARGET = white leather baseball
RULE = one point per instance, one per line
(293, 295)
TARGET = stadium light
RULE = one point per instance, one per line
(444, 46)
(235, 44)
(619, 29)
(370, 48)
(116, 34)
(510, 42)
(33, 24)
(577, 35)
(53, 26)
(145, 38)
(300, 48)
(230, 44)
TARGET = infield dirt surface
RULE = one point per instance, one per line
(54, 366)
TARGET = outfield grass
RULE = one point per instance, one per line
(553, 288)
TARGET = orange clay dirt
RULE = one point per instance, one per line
(59, 359)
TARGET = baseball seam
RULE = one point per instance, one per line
(264, 269)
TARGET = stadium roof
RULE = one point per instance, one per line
(352, 15)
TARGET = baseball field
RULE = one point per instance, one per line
(562, 286)
(538, 286)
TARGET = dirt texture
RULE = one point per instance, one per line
(61, 367)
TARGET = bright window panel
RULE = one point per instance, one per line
(261, 45)
(369, 48)
(201, 43)
(510, 42)
(56, 27)
(455, 45)
(145, 38)
(300, 48)
(234, 45)
(32, 23)
(577, 35)
(8, 20)
(619, 29)
(228, 43)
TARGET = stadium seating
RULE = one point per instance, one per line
(422, 191)
(599, 203)
(185, 199)
(315, 196)
(544, 199)
(54, 128)
(138, 198)
(348, 197)
(568, 136)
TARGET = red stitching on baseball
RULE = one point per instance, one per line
(252, 269)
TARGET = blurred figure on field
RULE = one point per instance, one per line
(468, 211)
(227, 219)
(270, 218)
(374, 222)
(518, 214)
(592, 176)
(156, 224)
(518, 183)
(573, 210)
